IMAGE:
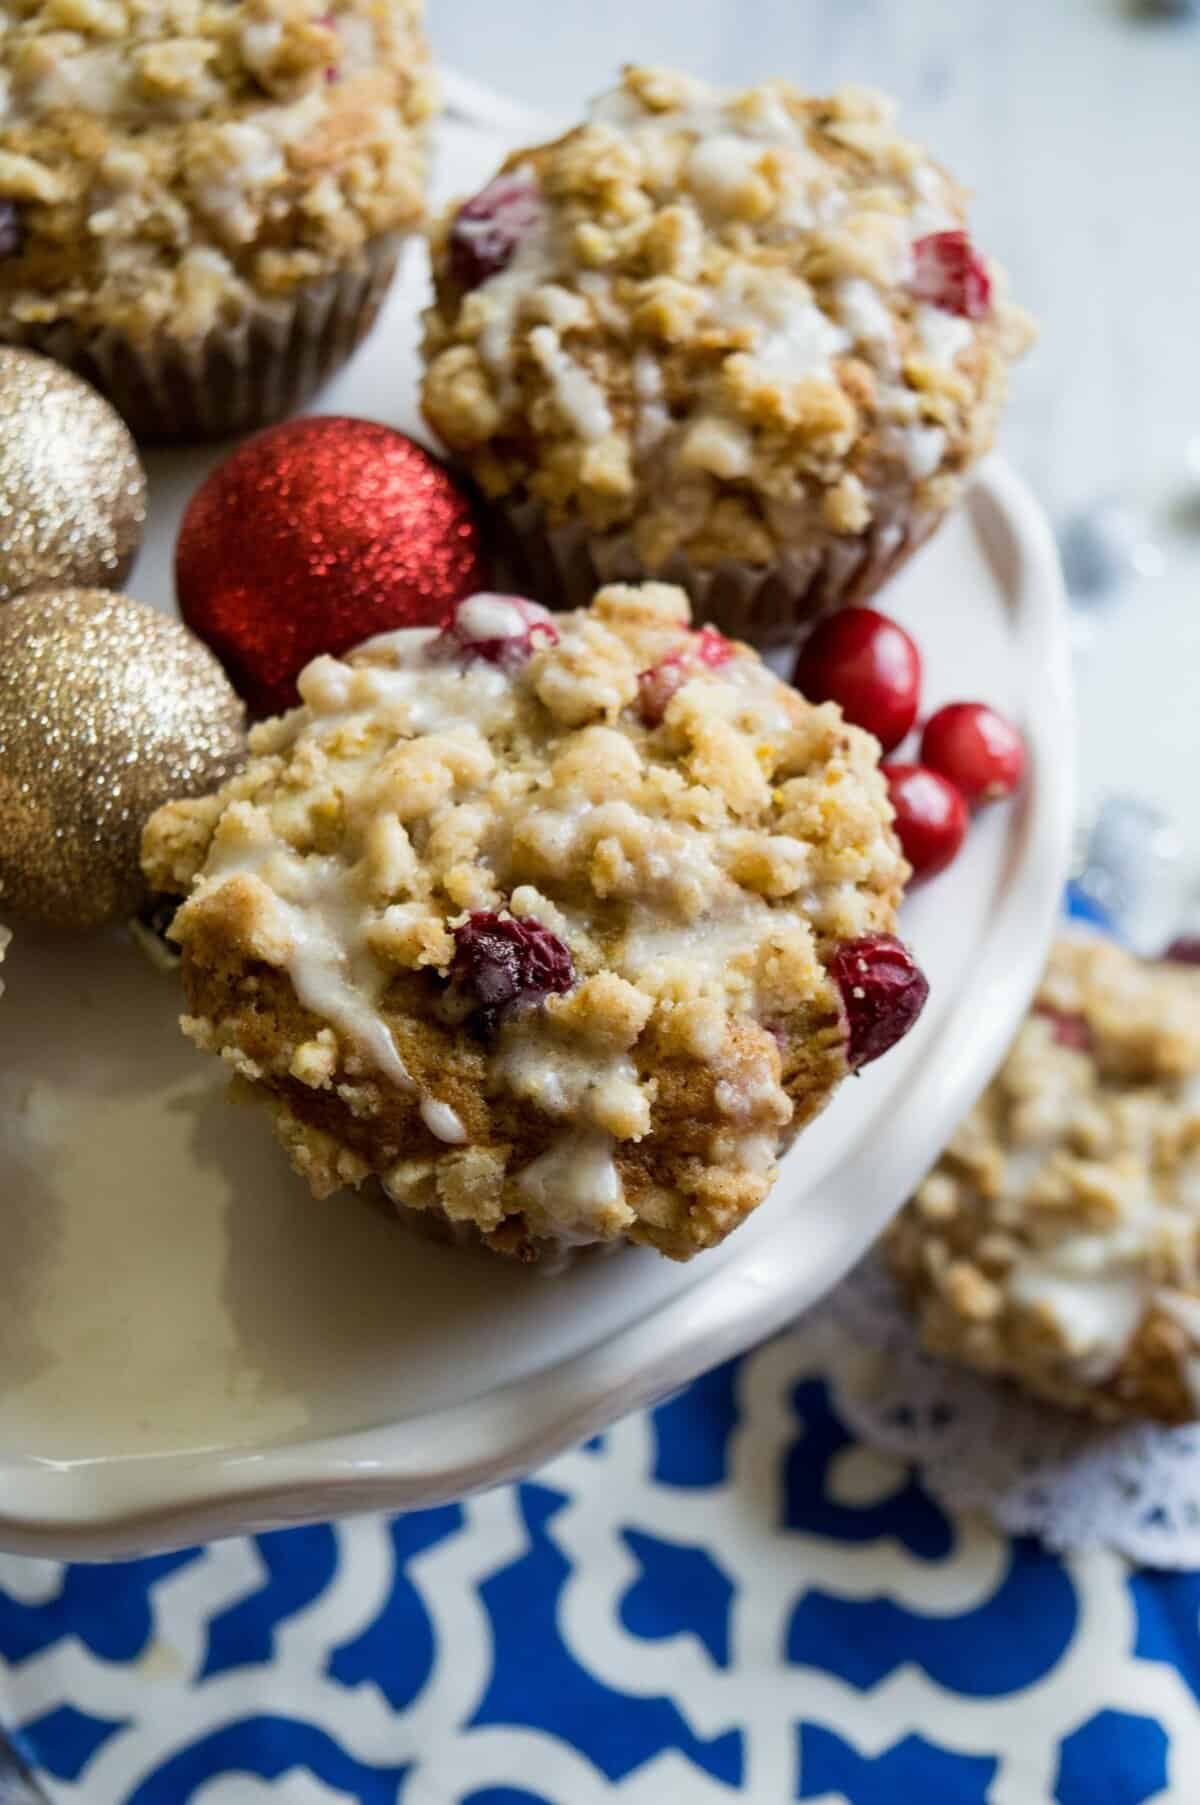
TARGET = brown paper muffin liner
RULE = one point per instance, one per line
(563, 566)
(236, 377)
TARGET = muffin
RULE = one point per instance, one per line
(559, 928)
(201, 205)
(1057, 1241)
(740, 342)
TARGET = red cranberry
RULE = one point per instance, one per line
(501, 961)
(501, 629)
(869, 665)
(981, 753)
(488, 228)
(931, 817)
(712, 648)
(1067, 1029)
(707, 649)
(949, 272)
(883, 991)
(1184, 950)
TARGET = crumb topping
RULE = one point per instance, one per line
(1058, 1238)
(169, 162)
(718, 320)
(672, 890)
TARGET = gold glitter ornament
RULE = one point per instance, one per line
(107, 709)
(72, 489)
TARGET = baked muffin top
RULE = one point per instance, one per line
(165, 163)
(566, 904)
(723, 322)
(1057, 1241)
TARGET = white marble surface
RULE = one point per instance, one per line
(1077, 122)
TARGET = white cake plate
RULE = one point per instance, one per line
(191, 1347)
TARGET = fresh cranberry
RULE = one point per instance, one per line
(501, 961)
(1068, 1029)
(980, 751)
(12, 235)
(706, 650)
(949, 272)
(883, 991)
(501, 629)
(869, 665)
(488, 228)
(931, 817)
(1184, 950)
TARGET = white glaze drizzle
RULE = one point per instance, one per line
(922, 448)
(1095, 1306)
(443, 1121)
(943, 335)
(328, 963)
(1097, 1286)
(576, 1187)
(866, 315)
(317, 901)
(487, 616)
(793, 338)
(579, 399)
(530, 266)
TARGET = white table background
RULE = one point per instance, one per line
(1077, 123)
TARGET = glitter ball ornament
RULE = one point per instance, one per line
(72, 491)
(107, 709)
(316, 535)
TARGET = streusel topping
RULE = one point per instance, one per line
(167, 162)
(607, 855)
(1058, 1238)
(718, 320)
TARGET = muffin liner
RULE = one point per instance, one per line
(236, 377)
(563, 566)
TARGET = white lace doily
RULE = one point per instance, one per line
(979, 1445)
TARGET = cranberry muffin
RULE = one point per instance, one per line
(742, 341)
(1057, 1240)
(558, 927)
(201, 206)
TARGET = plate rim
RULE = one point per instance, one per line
(102, 1508)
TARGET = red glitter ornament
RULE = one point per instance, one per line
(313, 536)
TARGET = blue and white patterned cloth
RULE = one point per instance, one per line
(724, 1599)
